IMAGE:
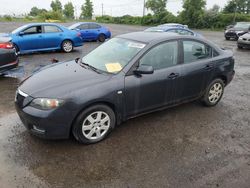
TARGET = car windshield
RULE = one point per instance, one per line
(113, 55)
(19, 29)
(242, 25)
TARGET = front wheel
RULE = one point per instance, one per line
(67, 46)
(94, 124)
(214, 93)
(227, 38)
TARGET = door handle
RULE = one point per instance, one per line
(173, 75)
(209, 67)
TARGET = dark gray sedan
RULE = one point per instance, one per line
(127, 76)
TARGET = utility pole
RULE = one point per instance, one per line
(143, 13)
(235, 10)
(102, 9)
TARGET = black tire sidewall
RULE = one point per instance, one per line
(205, 97)
(63, 45)
(101, 38)
(77, 127)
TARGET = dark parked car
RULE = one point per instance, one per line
(237, 30)
(91, 31)
(8, 56)
(130, 75)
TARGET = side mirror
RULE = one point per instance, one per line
(21, 33)
(144, 69)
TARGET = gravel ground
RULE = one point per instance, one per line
(185, 146)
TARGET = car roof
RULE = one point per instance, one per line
(34, 24)
(147, 37)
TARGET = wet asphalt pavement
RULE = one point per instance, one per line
(186, 146)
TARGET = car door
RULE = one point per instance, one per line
(84, 30)
(151, 91)
(197, 68)
(52, 36)
(30, 38)
(94, 31)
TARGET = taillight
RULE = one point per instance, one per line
(6, 45)
(78, 34)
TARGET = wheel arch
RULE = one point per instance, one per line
(107, 103)
(66, 40)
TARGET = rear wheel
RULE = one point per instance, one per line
(67, 46)
(94, 124)
(101, 38)
(214, 93)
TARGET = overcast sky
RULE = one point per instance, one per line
(111, 7)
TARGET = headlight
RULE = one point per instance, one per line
(240, 38)
(46, 104)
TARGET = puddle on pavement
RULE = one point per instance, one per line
(8, 87)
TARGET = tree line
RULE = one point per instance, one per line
(60, 12)
(194, 14)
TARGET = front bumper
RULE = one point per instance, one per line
(48, 124)
(245, 43)
(233, 34)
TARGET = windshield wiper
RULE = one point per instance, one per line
(82, 64)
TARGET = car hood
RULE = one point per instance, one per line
(236, 29)
(247, 35)
(61, 80)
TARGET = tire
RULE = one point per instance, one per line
(88, 127)
(16, 49)
(227, 38)
(240, 47)
(101, 38)
(213, 93)
(67, 46)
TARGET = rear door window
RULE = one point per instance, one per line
(195, 51)
(94, 26)
(83, 26)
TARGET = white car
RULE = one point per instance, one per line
(244, 41)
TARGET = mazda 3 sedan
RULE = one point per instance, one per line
(44, 37)
(130, 75)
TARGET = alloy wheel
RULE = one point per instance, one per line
(215, 92)
(67, 46)
(96, 125)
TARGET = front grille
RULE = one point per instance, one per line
(231, 34)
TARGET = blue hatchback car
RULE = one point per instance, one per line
(91, 31)
(178, 30)
(44, 37)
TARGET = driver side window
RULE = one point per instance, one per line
(33, 30)
(162, 56)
